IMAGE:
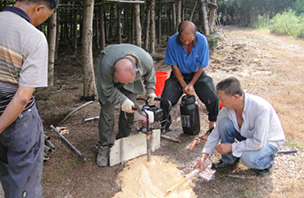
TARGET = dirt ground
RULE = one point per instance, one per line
(267, 65)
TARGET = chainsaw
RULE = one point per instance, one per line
(150, 116)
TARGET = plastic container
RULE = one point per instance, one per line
(161, 77)
(190, 115)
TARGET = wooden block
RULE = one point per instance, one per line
(133, 146)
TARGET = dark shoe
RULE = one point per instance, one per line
(103, 156)
(265, 172)
(222, 164)
(209, 131)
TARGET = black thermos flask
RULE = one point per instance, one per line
(190, 115)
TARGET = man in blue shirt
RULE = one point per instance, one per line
(188, 54)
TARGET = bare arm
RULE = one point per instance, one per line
(179, 76)
(15, 107)
(189, 88)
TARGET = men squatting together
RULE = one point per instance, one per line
(23, 66)
(250, 120)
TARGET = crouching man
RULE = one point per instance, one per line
(248, 129)
(124, 70)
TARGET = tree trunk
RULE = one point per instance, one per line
(212, 15)
(191, 15)
(97, 30)
(57, 33)
(174, 28)
(179, 14)
(152, 32)
(174, 19)
(159, 26)
(102, 29)
(118, 24)
(52, 48)
(112, 16)
(205, 18)
(106, 34)
(147, 27)
(184, 11)
(89, 88)
(131, 25)
(137, 25)
(75, 32)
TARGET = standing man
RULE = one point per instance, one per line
(188, 54)
(124, 70)
(23, 66)
(250, 120)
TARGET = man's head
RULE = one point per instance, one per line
(186, 31)
(124, 70)
(229, 91)
(38, 10)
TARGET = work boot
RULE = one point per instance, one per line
(222, 164)
(265, 172)
(103, 156)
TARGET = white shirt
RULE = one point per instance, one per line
(260, 125)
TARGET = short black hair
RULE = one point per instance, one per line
(231, 86)
(52, 4)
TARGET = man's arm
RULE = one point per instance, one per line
(179, 76)
(15, 107)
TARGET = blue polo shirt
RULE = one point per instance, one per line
(177, 55)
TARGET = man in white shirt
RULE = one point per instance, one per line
(248, 129)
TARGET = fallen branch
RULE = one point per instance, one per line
(66, 117)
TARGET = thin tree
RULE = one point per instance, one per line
(137, 25)
(52, 47)
(89, 85)
(152, 33)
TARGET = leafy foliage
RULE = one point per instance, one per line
(246, 12)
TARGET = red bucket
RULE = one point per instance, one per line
(161, 77)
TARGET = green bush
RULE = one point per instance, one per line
(262, 21)
(301, 25)
(287, 23)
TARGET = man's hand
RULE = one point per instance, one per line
(201, 162)
(127, 106)
(224, 148)
(151, 97)
(189, 89)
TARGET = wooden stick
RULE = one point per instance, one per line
(187, 177)
(171, 138)
(184, 180)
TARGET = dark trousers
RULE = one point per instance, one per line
(204, 88)
(23, 143)
(106, 122)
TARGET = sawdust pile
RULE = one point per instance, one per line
(142, 179)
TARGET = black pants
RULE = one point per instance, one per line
(107, 121)
(204, 88)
